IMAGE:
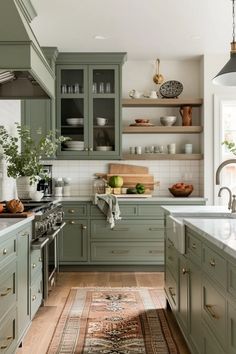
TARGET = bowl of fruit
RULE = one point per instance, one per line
(181, 189)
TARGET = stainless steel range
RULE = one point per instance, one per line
(47, 225)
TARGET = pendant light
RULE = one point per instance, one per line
(227, 75)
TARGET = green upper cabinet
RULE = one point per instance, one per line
(89, 105)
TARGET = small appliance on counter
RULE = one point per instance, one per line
(45, 185)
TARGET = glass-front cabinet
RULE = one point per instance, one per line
(89, 108)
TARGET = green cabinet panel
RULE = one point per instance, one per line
(36, 294)
(75, 210)
(154, 211)
(214, 265)
(183, 309)
(231, 328)
(209, 343)
(7, 287)
(171, 258)
(73, 242)
(171, 290)
(193, 246)
(126, 211)
(7, 248)
(127, 252)
(232, 279)
(8, 332)
(35, 263)
(128, 229)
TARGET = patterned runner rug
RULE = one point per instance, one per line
(113, 321)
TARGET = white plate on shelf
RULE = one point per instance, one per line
(74, 149)
(104, 148)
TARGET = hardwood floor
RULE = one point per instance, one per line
(41, 330)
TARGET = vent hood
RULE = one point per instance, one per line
(24, 70)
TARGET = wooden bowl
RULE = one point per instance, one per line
(177, 192)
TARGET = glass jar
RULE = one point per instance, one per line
(99, 185)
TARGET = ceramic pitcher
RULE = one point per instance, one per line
(186, 114)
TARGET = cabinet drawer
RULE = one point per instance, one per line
(231, 279)
(214, 310)
(8, 249)
(193, 247)
(128, 252)
(215, 265)
(7, 287)
(8, 333)
(171, 258)
(171, 289)
(128, 229)
(151, 211)
(35, 264)
(36, 296)
(125, 210)
(75, 210)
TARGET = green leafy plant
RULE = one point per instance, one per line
(231, 146)
(26, 161)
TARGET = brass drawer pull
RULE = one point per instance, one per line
(212, 262)
(40, 259)
(155, 228)
(85, 149)
(4, 251)
(33, 265)
(121, 229)
(6, 292)
(185, 271)
(211, 312)
(154, 251)
(171, 292)
(120, 251)
(9, 338)
(25, 234)
(72, 222)
(33, 297)
(71, 211)
(194, 246)
(3, 346)
(84, 227)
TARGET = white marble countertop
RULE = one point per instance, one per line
(10, 224)
(197, 210)
(221, 232)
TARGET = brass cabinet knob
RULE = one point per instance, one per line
(72, 222)
(212, 262)
(194, 246)
(85, 149)
(185, 271)
(4, 252)
(33, 297)
(33, 265)
(90, 149)
(84, 227)
(71, 211)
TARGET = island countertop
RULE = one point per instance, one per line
(219, 231)
(197, 210)
(10, 224)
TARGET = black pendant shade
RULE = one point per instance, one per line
(227, 75)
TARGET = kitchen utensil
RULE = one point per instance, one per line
(186, 114)
(95, 89)
(76, 87)
(158, 78)
(101, 87)
(181, 192)
(171, 89)
(117, 168)
(101, 121)
(168, 120)
(64, 88)
(108, 87)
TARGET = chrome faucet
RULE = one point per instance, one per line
(231, 203)
(223, 164)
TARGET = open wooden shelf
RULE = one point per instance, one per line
(161, 102)
(156, 156)
(163, 129)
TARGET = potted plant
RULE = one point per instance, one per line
(23, 156)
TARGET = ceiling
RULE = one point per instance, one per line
(146, 29)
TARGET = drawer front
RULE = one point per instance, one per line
(209, 343)
(214, 310)
(35, 263)
(171, 258)
(125, 210)
(36, 296)
(7, 287)
(117, 252)
(8, 333)
(151, 211)
(75, 210)
(231, 279)
(171, 289)
(193, 247)
(214, 265)
(128, 229)
(231, 328)
(8, 249)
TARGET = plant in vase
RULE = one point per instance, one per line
(23, 163)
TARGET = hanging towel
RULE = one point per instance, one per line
(108, 204)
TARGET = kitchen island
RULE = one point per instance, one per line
(200, 283)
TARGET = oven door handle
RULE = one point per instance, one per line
(40, 243)
(52, 235)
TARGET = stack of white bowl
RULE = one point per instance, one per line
(75, 121)
(75, 145)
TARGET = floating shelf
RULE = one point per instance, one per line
(163, 129)
(161, 102)
(156, 156)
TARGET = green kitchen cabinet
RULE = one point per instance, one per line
(89, 91)
(73, 242)
(183, 283)
(231, 333)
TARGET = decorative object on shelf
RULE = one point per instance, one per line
(24, 164)
(188, 148)
(171, 148)
(74, 145)
(135, 94)
(158, 78)
(168, 121)
(186, 114)
(227, 75)
(141, 125)
(142, 120)
(75, 121)
(101, 121)
(181, 189)
(171, 89)
(152, 95)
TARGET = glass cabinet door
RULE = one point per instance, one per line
(72, 109)
(104, 129)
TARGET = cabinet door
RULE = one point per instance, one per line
(231, 328)
(73, 242)
(36, 114)
(104, 111)
(72, 109)
(183, 292)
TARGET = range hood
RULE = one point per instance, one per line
(24, 70)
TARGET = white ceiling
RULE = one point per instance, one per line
(146, 29)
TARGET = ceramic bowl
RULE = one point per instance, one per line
(104, 148)
(168, 120)
(38, 195)
(181, 192)
(75, 121)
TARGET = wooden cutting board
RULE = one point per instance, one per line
(117, 168)
(24, 214)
